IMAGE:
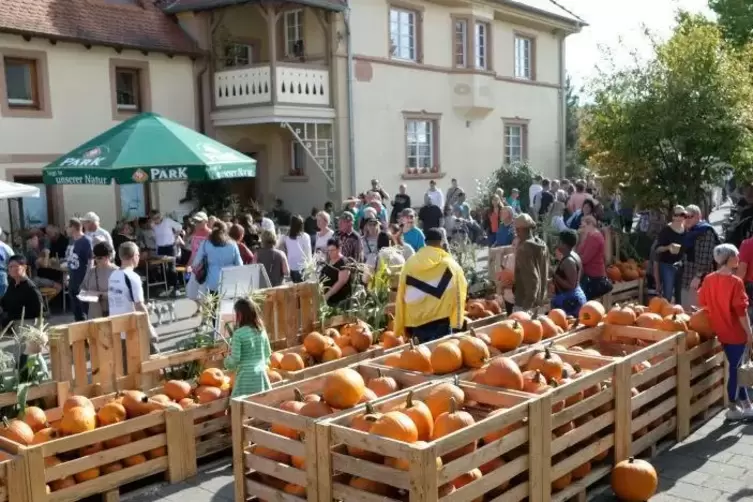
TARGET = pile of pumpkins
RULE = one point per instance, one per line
(629, 270)
(545, 371)
(417, 421)
(329, 345)
(475, 349)
(481, 309)
(658, 314)
(341, 389)
(79, 415)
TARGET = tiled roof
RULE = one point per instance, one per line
(140, 25)
(173, 6)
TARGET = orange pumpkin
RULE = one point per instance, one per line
(177, 390)
(17, 431)
(648, 320)
(207, 394)
(474, 351)
(110, 468)
(614, 274)
(390, 340)
(292, 361)
(360, 335)
(212, 377)
(135, 402)
(315, 409)
(368, 485)
(45, 435)
(420, 415)
(416, 358)
(331, 353)
(395, 425)
(78, 420)
(343, 388)
(348, 350)
(496, 435)
(446, 358)
(274, 377)
(274, 360)
(451, 421)
(382, 385)
(438, 398)
(111, 413)
(548, 327)
(534, 382)
(701, 323)
(634, 479)
(87, 475)
(35, 418)
(77, 402)
(118, 441)
(364, 423)
(673, 323)
(134, 460)
(559, 317)
(507, 335)
(492, 306)
(315, 343)
(591, 313)
(504, 372)
(657, 304)
(548, 363)
(621, 316)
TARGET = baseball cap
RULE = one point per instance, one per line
(347, 215)
(370, 219)
(90, 216)
(678, 209)
(200, 216)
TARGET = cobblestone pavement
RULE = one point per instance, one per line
(714, 464)
(214, 483)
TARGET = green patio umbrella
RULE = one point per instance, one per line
(148, 148)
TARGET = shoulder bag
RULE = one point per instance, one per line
(201, 272)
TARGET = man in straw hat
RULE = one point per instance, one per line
(531, 265)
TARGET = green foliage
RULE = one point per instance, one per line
(735, 18)
(670, 127)
(507, 177)
(573, 159)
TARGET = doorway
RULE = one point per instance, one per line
(246, 188)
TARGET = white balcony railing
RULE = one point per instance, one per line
(295, 85)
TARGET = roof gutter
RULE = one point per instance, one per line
(85, 42)
(177, 7)
(351, 113)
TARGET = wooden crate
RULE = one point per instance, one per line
(290, 311)
(78, 347)
(624, 291)
(708, 380)
(521, 449)
(326, 367)
(162, 429)
(13, 473)
(252, 417)
(660, 402)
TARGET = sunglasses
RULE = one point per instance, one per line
(680, 216)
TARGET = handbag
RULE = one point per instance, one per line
(201, 272)
(745, 372)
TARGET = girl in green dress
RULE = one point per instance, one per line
(249, 351)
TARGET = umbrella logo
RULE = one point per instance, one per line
(215, 154)
(94, 152)
(140, 176)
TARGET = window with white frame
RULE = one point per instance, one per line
(237, 55)
(293, 25)
(523, 57)
(515, 139)
(403, 34)
(317, 138)
(460, 43)
(482, 46)
(421, 145)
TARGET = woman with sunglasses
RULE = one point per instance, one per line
(669, 255)
(97, 279)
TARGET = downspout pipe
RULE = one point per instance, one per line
(349, 91)
(562, 113)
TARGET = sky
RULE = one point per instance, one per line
(617, 25)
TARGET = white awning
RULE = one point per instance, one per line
(11, 190)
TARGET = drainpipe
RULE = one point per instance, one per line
(562, 108)
(351, 128)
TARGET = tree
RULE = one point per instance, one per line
(573, 162)
(735, 18)
(669, 128)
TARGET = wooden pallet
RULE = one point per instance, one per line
(252, 417)
(423, 479)
(708, 379)
(624, 291)
(12, 473)
(160, 440)
(96, 344)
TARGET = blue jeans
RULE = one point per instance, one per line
(734, 355)
(3, 282)
(668, 279)
(430, 331)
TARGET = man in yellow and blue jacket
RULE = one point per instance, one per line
(431, 293)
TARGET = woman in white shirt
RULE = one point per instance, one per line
(297, 246)
(324, 234)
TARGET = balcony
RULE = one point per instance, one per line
(473, 94)
(258, 85)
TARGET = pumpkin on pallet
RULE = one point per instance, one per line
(481, 309)
(343, 388)
(664, 316)
(446, 357)
(440, 413)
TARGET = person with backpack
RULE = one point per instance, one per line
(698, 245)
(125, 294)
